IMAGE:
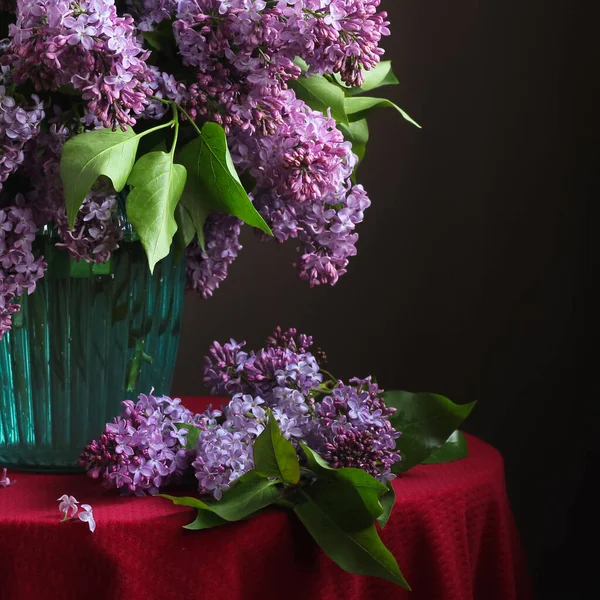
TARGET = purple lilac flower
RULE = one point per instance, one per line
(352, 429)
(42, 168)
(18, 125)
(285, 363)
(290, 338)
(86, 45)
(206, 269)
(149, 13)
(20, 270)
(68, 506)
(224, 452)
(5, 480)
(143, 450)
(303, 170)
(96, 233)
(87, 516)
(337, 36)
(163, 85)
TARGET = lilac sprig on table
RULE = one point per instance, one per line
(143, 449)
(291, 435)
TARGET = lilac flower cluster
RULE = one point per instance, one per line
(244, 51)
(19, 268)
(260, 39)
(96, 234)
(148, 13)
(206, 269)
(285, 363)
(224, 451)
(236, 61)
(303, 172)
(142, 450)
(352, 429)
(18, 125)
(348, 425)
(86, 45)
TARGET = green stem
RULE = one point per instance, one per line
(153, 129)
(179, 107)
(139, 356)
(190, 120)
(176, 133)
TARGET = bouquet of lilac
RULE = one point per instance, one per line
(292, 436)
(184, 120)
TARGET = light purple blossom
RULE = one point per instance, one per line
(18, 125)
(144, 448)
(68, 506)
(207, 268)
(348, 424)
(5, 480)
(87, 516)
(20, 269)
(86, 45)
(96, 233)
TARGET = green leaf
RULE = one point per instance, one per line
(377, 77)
(320, 95)
(161, 38)
(87, 156)
(156, 186)
(185, 230)
(300, 62)
(455, 448)
(197, 211)
(274, 456)
(360, 552)
(205, 518)
(387, 501)
(357, 133)
(212, 179)
(316, 462)
(351, 496)
(426, 421)
(360, 106)
(249, 494)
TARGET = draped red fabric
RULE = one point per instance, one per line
(452, 532)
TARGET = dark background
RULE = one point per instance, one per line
(473, 260)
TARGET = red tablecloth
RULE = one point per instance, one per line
(452, 532)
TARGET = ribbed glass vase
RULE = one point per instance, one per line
(86, 339)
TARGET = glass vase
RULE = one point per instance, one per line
(88, 338)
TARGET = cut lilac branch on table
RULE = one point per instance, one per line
(291, 435)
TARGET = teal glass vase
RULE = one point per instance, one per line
(88, 338)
